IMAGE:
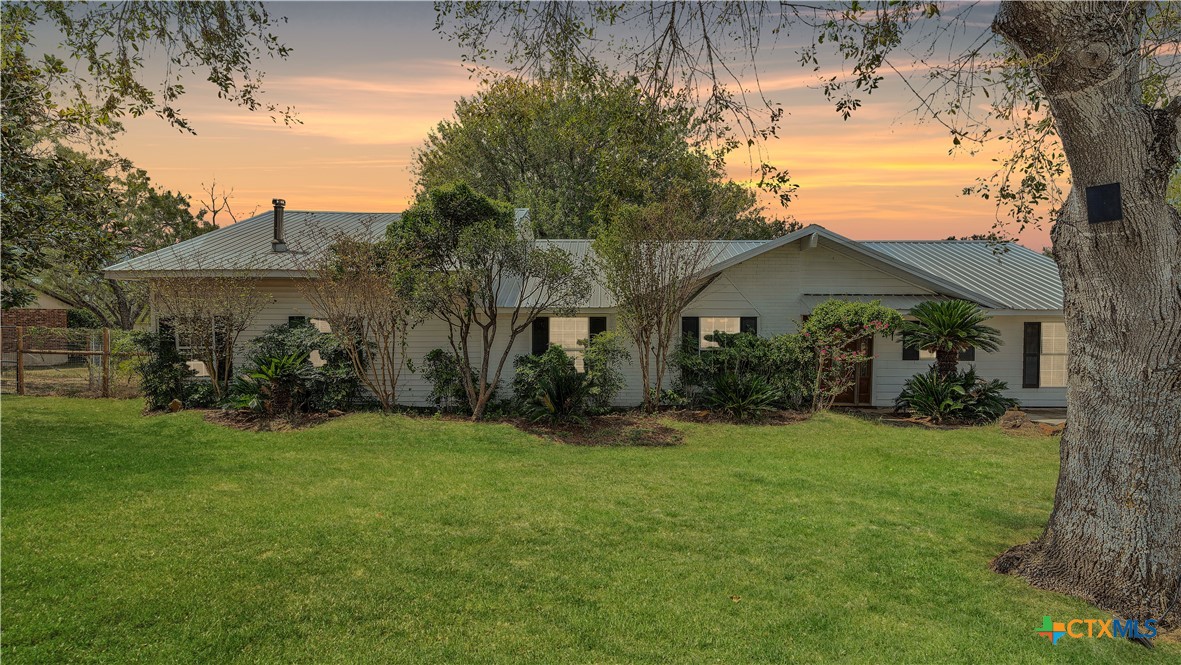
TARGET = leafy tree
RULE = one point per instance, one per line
(651, 260)
(145, 219)
(573, 145)
(839, 332)
(57, 199)
(1085, 90)
(365, 291)
(484, 279)
(947, 327)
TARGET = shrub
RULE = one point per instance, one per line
(163, 372)
(785, 363)
(947, 327)
(529, 371)
(447, 391)
(281, 384)
(200, 394)
(333, 385)
(562, 394)
(603, 356)
(742, 396)
(959, 396)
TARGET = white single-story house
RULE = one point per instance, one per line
(767, 287)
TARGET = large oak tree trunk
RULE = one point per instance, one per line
(1114, 536)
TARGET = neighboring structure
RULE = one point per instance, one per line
(45, 311)
(766, 287)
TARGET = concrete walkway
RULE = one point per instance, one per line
(1050, 416)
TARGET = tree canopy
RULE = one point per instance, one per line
(576, 143)
(142, 218)
(57, 200)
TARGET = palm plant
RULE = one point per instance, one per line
(947, 327)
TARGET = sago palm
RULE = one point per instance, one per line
(947, 327)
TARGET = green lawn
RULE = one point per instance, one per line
(389, 539)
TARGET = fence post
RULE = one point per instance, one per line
(20, 360)
(106, 362)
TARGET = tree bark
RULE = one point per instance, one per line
(947, 362)
(1114, 535)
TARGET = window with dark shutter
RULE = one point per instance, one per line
(968, 353)
(691, 330)
(909, 350)
(540, 335)
(1031, 356)
(598, 324)
(749, 324)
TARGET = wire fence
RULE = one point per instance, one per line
(73, 362)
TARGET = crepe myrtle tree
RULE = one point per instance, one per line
(1080, 94)
(209, 310)
(839, 331)
(652, 259)
(485, 278)
(363, 287)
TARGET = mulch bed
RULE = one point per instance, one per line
(250, 421)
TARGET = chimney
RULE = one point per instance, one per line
(279, 244)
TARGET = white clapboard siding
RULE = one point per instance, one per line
(768, 286)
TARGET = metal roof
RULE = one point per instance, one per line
(995, 276)
(1015, 276)
(246, 245)
(600, 297)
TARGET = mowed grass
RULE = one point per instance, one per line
(391, 539)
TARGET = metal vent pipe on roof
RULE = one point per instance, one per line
(279, 244)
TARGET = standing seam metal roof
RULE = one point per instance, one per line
(1016, 276)
(1013, 276)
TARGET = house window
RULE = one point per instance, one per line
(710, 324)
(566, 331)
(1052, 366)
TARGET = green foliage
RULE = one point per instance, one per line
(603, 356)
(163, 373)
(468, 244)
(143, 219)
(574, 144)
(784, 363)
(742, 396)
(948, 327)
(333, 385)
(218, 42)
(529, 370)
(961, 397)
(200, 394)
(441, 370)
(562, 394)
(277, 386)
(839, 331)
(58, 201)
(77, 317)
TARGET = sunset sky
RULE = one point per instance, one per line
(370, 79)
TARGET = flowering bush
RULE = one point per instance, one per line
(840, 332)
